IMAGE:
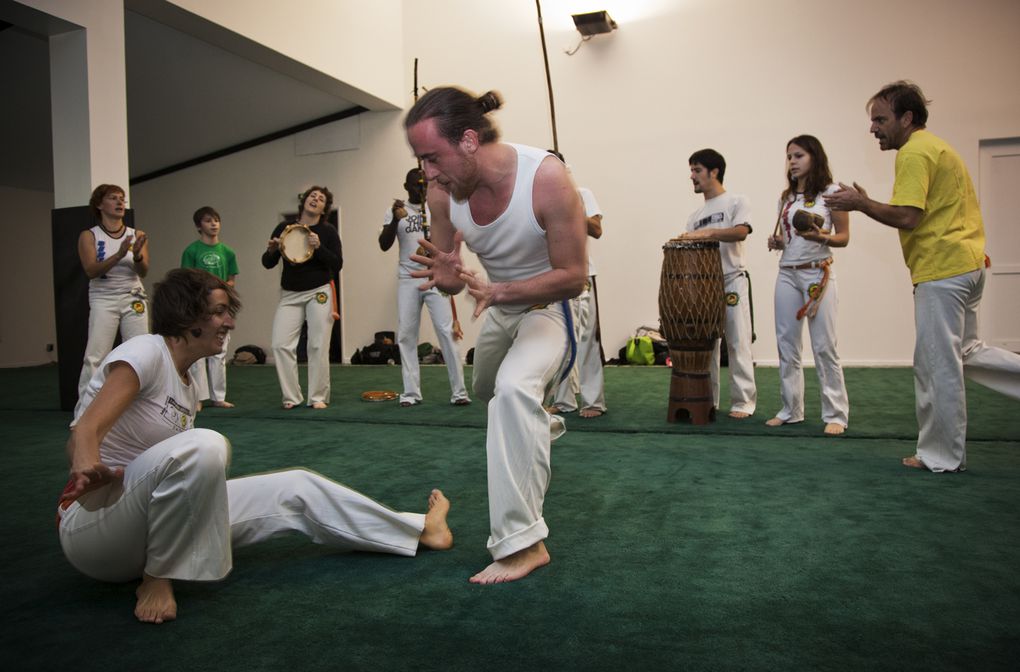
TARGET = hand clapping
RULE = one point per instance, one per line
(847, 198)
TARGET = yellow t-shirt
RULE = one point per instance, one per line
(950, 239)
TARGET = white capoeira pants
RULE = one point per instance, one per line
(586, 377)
(947, 349)
(128, 313)
(209, 375)
(518, 356)
(743, 393)
(791, 294)
(409, 304)
(316, 307)
(175, 516)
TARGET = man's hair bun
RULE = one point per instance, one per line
(490, 101)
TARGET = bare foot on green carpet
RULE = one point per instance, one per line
(834, 429)
(739, 415)
(156, 602)
(591, 412)
(514, 566)
(778, 422)
(914, 462)
(437, 534)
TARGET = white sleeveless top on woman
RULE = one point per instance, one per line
(122, 278)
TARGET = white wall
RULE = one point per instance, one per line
(89, 99)
(739, 75)
(27, 320)
(354, 42)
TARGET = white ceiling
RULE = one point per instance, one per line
(185, 99)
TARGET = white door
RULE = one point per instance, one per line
(999, 191)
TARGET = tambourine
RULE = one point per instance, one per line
(802, 220)
(294, 245)
(379, 395)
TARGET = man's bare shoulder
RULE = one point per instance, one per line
(553, 184)
(556, 200)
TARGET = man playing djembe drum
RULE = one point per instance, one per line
(516, 208)
(726, 218)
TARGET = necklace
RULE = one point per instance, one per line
(109, 232)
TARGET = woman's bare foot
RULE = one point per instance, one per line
(514, 566)
(319, 405)
(222, 404)
(739, 415)
(287, 405)
(591, 412)
(437, 534)
(156, 602)
(914, 462)
(774, 422)
(834, 429)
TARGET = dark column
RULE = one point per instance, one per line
(71, 296)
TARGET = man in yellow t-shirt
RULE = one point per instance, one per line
(935, 209)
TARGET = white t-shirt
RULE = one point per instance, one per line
(165, 404)
(513, 246)
(723, 212)
(409, 232)
(122, 278)
(799, 250)
(591, 208)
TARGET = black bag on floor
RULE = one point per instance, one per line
(382, 351)
(258, 353)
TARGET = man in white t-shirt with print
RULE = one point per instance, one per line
(726, 218)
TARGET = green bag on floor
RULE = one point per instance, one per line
(640, 351)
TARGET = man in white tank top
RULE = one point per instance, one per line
(517, 209)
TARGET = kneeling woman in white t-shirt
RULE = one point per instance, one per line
(806, 284)
(148, 496)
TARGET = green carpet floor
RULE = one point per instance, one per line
(727, 547)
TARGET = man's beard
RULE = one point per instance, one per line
(462, 189)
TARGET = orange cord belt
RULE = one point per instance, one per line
(815, 294)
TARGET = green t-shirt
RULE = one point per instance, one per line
(218, 259)
(950, 239)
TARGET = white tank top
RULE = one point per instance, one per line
(122, 278)
(513, 246)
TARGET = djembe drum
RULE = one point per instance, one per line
(692, 311)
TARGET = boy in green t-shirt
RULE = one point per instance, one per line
(209, 254)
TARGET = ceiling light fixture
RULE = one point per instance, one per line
(594, 23)
(591, 24)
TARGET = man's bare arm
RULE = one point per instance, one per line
(856, 198)
(560, 212)
(732, 234)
